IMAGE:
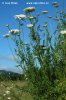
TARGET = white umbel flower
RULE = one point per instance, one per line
(29, 25)
(49, 16)
(56, 18)
(29, 9)
(6, 35)
(25, 75)
(4, 94)
(45, 25)
(7, 25)
(31, 17)
(20, 17)
(35, 57)
(44, 12)
(54, 3)
(9, 98)
(14, 31)
(8, 88)
(44, 48)
(63, 32)
(7, 92)
(26, 78)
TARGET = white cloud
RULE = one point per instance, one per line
(9, 58)
(12, 58)
(8, 63)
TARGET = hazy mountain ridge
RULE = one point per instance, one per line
(8, 72)
(10, 75)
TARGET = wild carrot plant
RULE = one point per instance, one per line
(43, 56)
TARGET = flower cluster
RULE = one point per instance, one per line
(63, 32)
(31, 17)
(14, 31)
(29, 9)
(44, 12)
(20, 17)
(6, 35)
(29, 25)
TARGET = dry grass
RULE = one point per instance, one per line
(12, 90)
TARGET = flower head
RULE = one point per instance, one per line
(63, 32)
(14, 31)
(26, 78)
(8, 88)
(29, 9)
(29, 25)
(9, 98)
(6, 35)
(25, 75)
(35, 57)
(7, 25)
(54, 3)
(44, 12)
(4, 94)
(31, 17)
(44, 48)
(56, 18)
(20, 17)
(7, 92)
(49, 16)
(45, 25)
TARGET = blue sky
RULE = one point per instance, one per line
(6, 17)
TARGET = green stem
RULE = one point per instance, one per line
(11, 49)
(23, 34)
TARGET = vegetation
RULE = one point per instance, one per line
(7, 75)
(43, 58)
(13, 90)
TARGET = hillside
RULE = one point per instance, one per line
(10, 75)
